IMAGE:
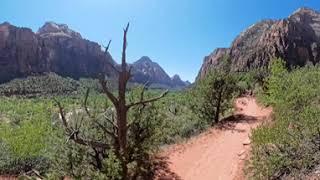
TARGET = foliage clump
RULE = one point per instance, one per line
(33, 86)
(25, 127)
(213, 95)
(288, 147)
(122, 132)
(31, 129)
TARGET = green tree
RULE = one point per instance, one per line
(289, 147)
(275, 82)
(115, 125)
(213, 95)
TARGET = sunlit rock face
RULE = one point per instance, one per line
(54, 29)
(59, 49)
(296, 39)
(54, 48)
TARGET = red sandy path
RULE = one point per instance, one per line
(219, 153)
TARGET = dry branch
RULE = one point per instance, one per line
(142, 102)
(63, 117)
(107, 47)
(106, 51)
(109, 94)
(106, 130)
(74, 134)
(120, 120)
(85, 102)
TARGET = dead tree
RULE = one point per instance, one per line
(120, 125)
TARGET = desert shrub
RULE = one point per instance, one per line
(179, 121)
(144, 137)
(252, 80)
(92, 84)
(276, 83)
(30, 135)
(213, 95)
(24, 130)
(78, 161)
(32, 86)
(70, 159)
(289, 146)
(22, 165)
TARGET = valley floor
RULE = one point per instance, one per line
(219, 153)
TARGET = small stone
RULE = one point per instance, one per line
(246, 142)
(241, 152)
(243, 157)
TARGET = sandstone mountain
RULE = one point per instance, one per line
(57, 48)
(54, 48)
(178, 82)
(296, 39)
(145, 70)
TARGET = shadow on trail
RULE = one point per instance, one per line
(163, 170)
(230, 122)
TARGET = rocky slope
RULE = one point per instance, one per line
(296, 39)
(176, 80)
(59, 49)
(54, 48)
(145, 70)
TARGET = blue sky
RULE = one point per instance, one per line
(175, 33)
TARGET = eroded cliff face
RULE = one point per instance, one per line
(296, 39)
(54, 48)
(213, 60)
(19, 48)
(59, 49)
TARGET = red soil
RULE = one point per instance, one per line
(219, 153)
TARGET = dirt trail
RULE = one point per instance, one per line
(219, 153)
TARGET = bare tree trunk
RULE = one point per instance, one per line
(122, 109)
(120, 127)
(97, 158)
(122, 136)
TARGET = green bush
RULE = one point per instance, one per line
(79, 161)
(44, 85)
(18, 166)
(289, 146)
(251, 80)
(212, 96)
(28, 134)
(179, 121)
(25, 126)
(31, 132)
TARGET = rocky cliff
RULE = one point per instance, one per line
(296, 39)
(59, 49)
(54, 48)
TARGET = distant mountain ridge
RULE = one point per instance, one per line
(295, 39)
(145, 70)
(59, 49)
